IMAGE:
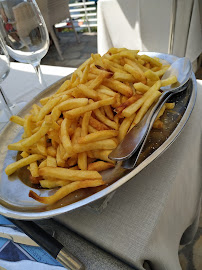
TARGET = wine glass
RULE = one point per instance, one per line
(25, 33)
(5, 112)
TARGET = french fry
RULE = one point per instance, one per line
(17, 119)
(67, 174)
(170, 106)
(118, 87)
(47, 108)
(53, 184)
(140, 87)
(90, 107)
(169, 81)
(65, 190)
(146, 106)
(51, 162)
(123, 77)
(103, 144)
(151, 60)
(130, 101)
(135, 106)
(72, 104)
(151, 75)
(88, 92)
(100, 166)
(136, 73)
(27, 126)
(24, 154)
(124, 127)
(82, 157)
(109, 112)
(34, 169)
(102, 154)
(11, 168)
(105, 120)
(64, 135)
(97, 136)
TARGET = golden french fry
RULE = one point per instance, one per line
(170, 106)
(53, 184)
(100, 166)
(43, 164)
(72, 104)
(51, 162)
(103, 144)
(51, 151)
(148, 102)
(124, 127)
(21, 163)
(130, 101)
(169, 81)
(90, 107)
(123, 77)
(46, 109)
(64, 86)
(151, 75)
(97, 124)
(105, 120)
(24, 154)
(151, 60)
(140, 87)
(59, 158)
(64, 135)
(17, 119)
(67, 174)
(136, 73)
(161, 112)
(34, 169)
(118, 87)
(97, 136)
(28, 126)
(37, 136)
(102, 155)
(65, 190)
(135, 106)
(88, 92)
(109, 113)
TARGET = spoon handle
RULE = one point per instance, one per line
(134, 138)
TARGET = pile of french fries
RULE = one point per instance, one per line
(67, 139)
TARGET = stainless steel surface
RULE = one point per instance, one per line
(69, 261)
(14, 198)
(182, 69)
(172, 26)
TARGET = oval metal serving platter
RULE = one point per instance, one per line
(14, 200)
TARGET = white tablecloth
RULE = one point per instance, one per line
(145, 25)
(146, 217)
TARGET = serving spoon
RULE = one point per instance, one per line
(136, 138)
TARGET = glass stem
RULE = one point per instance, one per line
(5, 103)
(40, 75)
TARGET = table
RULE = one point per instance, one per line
(136, 24)
(146, 217)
